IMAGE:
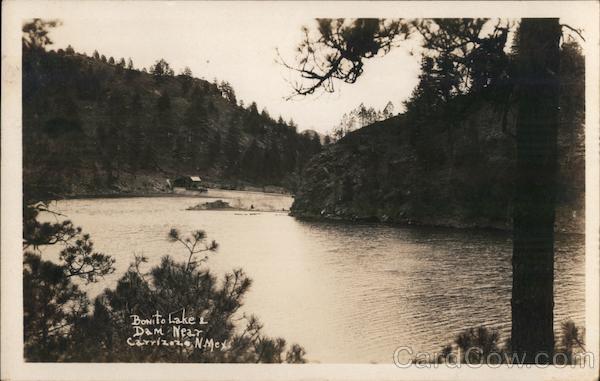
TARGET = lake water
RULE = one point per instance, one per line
(345, 292)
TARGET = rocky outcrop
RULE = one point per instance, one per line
(214, 205)
(435, 172)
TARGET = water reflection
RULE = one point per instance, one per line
(346, 292)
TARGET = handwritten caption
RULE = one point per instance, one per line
(173, 330)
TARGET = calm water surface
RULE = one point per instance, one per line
(346, 292)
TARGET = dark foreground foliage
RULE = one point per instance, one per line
(450, 159)
(482, 345)
(62, 324)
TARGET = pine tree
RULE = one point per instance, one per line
(535, 193)
(161, 69)
(388, 110)
(186, 79)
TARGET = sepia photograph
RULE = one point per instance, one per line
(404, 186)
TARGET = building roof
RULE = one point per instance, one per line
(195, 178)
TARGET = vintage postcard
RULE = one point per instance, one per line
(299, 190)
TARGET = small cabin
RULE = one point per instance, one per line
(188, 182)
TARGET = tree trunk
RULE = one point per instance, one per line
(535, 190)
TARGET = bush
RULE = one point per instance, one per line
(59, 326)
(481, 345)
(176, 286)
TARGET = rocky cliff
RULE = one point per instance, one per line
(430, 171)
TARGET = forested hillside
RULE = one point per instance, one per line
(450, 158)
(94, 125)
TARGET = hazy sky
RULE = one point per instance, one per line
(232, 43)
(236, 47)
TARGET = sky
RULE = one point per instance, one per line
(241, 49)
(237, 44)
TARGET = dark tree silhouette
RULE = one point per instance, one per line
(340, 48)
(35, 33)
(533, 216)
(174, 285)
(52, 303)
(186, 78)
(59, 326)
(228, 91)
(462, 57)
(161, 69)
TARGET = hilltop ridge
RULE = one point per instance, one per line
(98, 126)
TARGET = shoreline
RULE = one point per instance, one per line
(163, 194)
(416, 224)
(212, 195)
(300, 216)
